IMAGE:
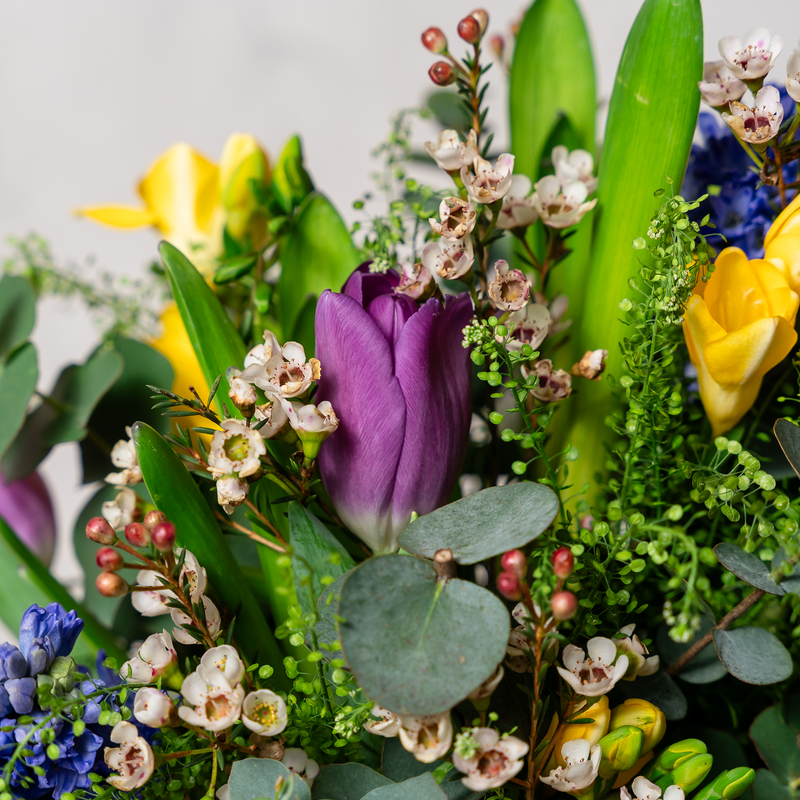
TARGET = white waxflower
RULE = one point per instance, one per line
(133, 760)
(719, 85)
(231, 492)
(153, 708)
(211, 702)
(561, 206)
(242, 394)
(151, 604)
(387, 724)
(415, 280)
(486, 689)
(450, 153)
(180, 620)
(638, 661)
(509, 289)
(119, 512)
(793, 76)
(760, 123)
(298, 763)
(312, 424)
(235, 450)
(488, 184)
(592, 364)
(583, 763)
(427, 738)
(554, 384)
(492, 761)
(193, 576)
(226, 659)
(123, 456)
(645, 790)
(596, 674)
(277, 421)
(457, 218)
(753, 57)
(155, 658)
(531, 326)
(577, 165)
(264, 713)
(449, 260)
(518, 210)
(519, 651)
(281, 371)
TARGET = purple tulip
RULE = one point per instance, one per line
(398, 378)
(25, 505)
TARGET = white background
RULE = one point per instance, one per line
(91, 92)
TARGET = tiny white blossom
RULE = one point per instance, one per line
(457, 218)
(719, 85)
(638, 661)
(277, 422)
(133, 760)
(519, 651)
(387, 724)
(493, 763)
(645, 790)
(760, 123)
(155, 658)
(450, 153)
(123, 456)
(281, 371)
(596, 674)
(518, 210)
(561, 206)
(509, 289)
(793, 76)
(577, 165)
(427, 738)
(235, 450)
(119, 512)
(298, 763)
(152, 707)
(554, 384)
(193, 575)
(531, 326)
(226, 659)
(415, 280)
(583, 763)
(752, 58)
(264, 713)
(180, 620)
(488, 184)
(449, 260)
(211, 702)
(151, 604)
(313, 424)
(231, 492)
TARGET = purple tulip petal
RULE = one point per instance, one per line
(25, 505)
(364, 286)
(433, 369)
(359, 461)
(391, 312)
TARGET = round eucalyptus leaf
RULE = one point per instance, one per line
(484, 524)
(767, 787)
(423, 787)
(753, 655)
(775, 733)
(705, 667)
(254, 778)
(347, 781)
(790, 582)
(750, 568)
(788, 436)
(417, 645)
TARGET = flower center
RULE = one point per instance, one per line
(237, 447)
(217, 707)
(492, 763)
(265, 714)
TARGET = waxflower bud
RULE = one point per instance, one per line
(730, 784)
(163, 536)
(98, 530)
(564, 605)
(514, 561)
(434, 40)
(621, 748)
(137, 535)
(674, 755)
(442, 74)
(689, 774)
(643, 715)
(481, 16)
(563, 562)
(498, 44)
(469, 30)
(109, 584)
(508, 586)
(109, 559)
(152, 518)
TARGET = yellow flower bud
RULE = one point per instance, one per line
(641, 714)
(782, 244)
(738, 325)
(243, 159)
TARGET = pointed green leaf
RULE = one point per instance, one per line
(17, 312)
(775, 734)
(175, 493)
(753, 655)
(235, 267)
(291, 184)
(18, 376)
(214, 338)
(317, 254)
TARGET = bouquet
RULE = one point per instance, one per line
(490, 495)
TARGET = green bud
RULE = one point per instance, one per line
(728, 785)
(675, 755)
(53, 752)
(621, 750)
(688, 774)
(640, 714)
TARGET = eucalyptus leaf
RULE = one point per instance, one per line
(753, 655)
(174, 492)
(790, 582)
(747, 566)
(18, 376)
(423, 787)
(410, 639)
(17, 312)
(255, 778)
(346, 782)
(317, 254)
(767, 787)
(788, 436)
(775, 736)
(214, 338)
(705, 667)
(483, 524)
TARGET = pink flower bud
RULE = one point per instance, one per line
(152, 518)
(163, 536)
(98, 530)
(482, 18)
(508, 586)
(514, 561)
(137, 535)
(109, 584)
(563, 562)
(498, 45)
(442, 74)
(564, 605)
(469, 29)
(109, 559)
(434, 40)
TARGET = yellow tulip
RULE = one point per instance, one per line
(738, 326)
(782, 243)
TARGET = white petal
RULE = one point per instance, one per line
(602, 650)
(576, 750)
(573, 657)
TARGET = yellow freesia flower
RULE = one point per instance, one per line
(594, 731)
(738, 326)
(782, 243)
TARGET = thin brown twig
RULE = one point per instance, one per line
(254, 536)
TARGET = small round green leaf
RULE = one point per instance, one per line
(753, 655)
(412, 640)
(326, 625)
(484, 524)
(747, 566)
(705, 667)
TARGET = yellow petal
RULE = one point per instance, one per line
(788, 220)
(243, 159)
(118, 216)
(725, 405)
(703, 328)
(784, 253)
(750, 351)
(733, 294)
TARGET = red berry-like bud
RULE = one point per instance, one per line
(109, 584)
(137, 535)
(563, 562)
(514, 561)
(434, 40)
(109, 559)
(442, 74)
(98, 530)
(152, 518)
(469, 30)
(564, 605)
(498, 45)
(482, 18)
(163, 536)
(508, 586)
